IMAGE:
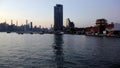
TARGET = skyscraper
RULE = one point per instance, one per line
(31, 26)
(58, 17)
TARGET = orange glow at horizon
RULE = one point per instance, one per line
(43, 24)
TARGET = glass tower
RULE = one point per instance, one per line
(58, 17)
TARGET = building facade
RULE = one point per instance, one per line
(116, 29)
(101, 27)
(58, 17)
(101, 24)
(69, 24)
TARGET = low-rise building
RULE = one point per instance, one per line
(117, 29)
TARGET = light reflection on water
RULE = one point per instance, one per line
(58, 51)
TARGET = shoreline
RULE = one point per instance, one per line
(62, 34)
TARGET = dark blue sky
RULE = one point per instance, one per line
(81, 12)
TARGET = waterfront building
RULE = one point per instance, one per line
(3, 27)
(101, 27)
(70, 27)
(117, 26)
(69, 24)
(101, 24)
(117, 29)
(58, 17)
(31, 26)
(11, 22)
(109, 29)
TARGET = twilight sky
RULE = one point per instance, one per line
(41, 12)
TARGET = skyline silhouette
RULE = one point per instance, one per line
(83, 12)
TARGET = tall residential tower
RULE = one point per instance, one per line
(58, 17)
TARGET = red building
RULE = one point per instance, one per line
(101, 27)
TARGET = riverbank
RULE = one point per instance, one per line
(100, 35)
(114, 36)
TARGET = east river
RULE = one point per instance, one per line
(58, 51)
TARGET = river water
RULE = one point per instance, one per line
(58, 51)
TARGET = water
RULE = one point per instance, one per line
(58, 51)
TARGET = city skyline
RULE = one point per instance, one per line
(41, 12)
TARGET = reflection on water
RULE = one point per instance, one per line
(58, 50)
